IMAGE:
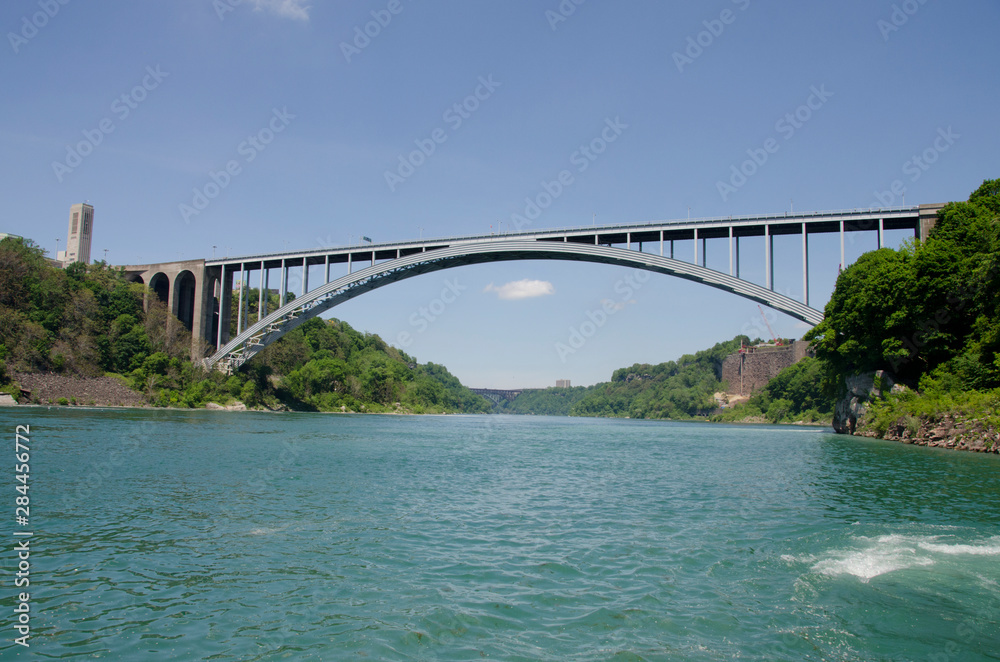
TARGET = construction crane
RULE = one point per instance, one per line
(769, 329)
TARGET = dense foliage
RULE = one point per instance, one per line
(83, 320)
(930, 308)
(676, 389)
(554, 401)
(88, 320)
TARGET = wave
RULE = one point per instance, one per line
(890, 553)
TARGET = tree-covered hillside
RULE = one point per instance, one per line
(930, 309)
(928, 313)
(554, 401)
(676, 389)
(86, 320)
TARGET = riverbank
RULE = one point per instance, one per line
(53, 389)
(938, 417)
(45, 389)
(947, 430)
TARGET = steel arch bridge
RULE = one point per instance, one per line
(289, 316)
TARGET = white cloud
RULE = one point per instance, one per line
(284, 8)
(522, 289)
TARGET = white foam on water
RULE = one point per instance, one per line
(988, 548)
(889, 553)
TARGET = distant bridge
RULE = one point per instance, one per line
(200, 292)
(497, 395)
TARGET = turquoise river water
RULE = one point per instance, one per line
(174, 535)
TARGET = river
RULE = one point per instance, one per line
(251, 536)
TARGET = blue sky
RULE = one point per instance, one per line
(164, 94)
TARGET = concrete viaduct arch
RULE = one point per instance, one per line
(189, 290)
(251, 341)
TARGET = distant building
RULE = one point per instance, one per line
(81, 229)
(4, 235)
(562, 383)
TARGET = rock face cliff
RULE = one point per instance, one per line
(861, 389)
(945, 430)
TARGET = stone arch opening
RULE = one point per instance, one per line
(184, 294)
(160, 285)
(135, 278)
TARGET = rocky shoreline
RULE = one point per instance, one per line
(945, 430)
(948, 431)
(48, 388)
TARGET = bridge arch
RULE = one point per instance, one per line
(159, 283)
(185, 288)
(251, 341)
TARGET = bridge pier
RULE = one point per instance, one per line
(187, 288)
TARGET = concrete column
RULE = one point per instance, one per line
(284, 279)
(326, 269)
(226, 306)
(266, 275)
(704, 252)
(881, 232)
(223, 301)
(768, 264)
(305, 276)
(350, 265)
(696, 246)
(661, 243)
(842, 254)
(239, 305)
(260, 293)
(737, 256)
(805, 265)
(730, 250)
(201, 319)
(246, 298)
(628, 240)
(671, 249)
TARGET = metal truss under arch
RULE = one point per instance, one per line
(251, 341)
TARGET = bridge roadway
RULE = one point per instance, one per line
(201, 297)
